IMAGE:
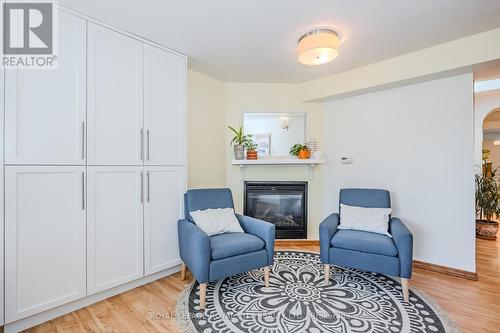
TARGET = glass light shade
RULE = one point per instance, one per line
(318, 47)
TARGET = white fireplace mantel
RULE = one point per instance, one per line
(310, 163)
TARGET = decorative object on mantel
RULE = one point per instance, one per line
(298, 301)
(312, 145)
(251, 148)
(487, 205)
(238, 141)
(301, 151)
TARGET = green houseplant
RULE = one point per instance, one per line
(300, 150)
(238, 142)
(251, 148)
(487, 205)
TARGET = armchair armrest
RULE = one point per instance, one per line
(327, 229)
(261, 229)
(403, 239)
(195, 250)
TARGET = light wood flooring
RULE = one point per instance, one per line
(474, 305)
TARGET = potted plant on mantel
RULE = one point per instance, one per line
(251, 148)
(487, 205)
(238, 142)
(301, 151)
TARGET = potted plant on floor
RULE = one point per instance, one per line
(487, 205)
(251, 148)
(238, 142)
(301, 151)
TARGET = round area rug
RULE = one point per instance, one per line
(298, 301)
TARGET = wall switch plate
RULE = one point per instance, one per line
(346, 159)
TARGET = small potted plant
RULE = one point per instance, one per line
(487, 205)
(238, 142)
(301, 151)
(251, 148)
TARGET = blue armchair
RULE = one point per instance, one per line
(365, 250)
(220, 256)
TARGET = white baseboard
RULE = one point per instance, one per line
(42, 317)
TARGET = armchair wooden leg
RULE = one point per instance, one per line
(406, 292)
(266, 276)
(183, 271)
(203, 293)
(327, 274)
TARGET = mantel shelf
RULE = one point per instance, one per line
(280, 161)
(286, 161)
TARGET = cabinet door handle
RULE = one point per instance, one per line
(142, 187)
(142, 144)
(147, 142)
(83, 140)
(83, 190)
(149, 186)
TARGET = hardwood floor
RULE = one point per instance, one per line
(474, 305)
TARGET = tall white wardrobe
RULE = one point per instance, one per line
(95, 171)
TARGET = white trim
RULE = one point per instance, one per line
(311, 163)
(42, 317)
(279, 161)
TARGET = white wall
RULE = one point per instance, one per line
(206, 131)
(417, 141)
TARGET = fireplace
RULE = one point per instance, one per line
(282, 203)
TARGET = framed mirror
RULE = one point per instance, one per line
(275, 133)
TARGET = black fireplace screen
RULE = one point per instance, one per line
(282, 203)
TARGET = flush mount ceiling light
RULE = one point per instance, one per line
(318, 47)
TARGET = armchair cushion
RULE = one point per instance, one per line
(364, 241)
(233, 244)
(216, 221)
(365, 219)
(201, 199)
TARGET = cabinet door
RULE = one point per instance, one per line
(45, 109)
(164, 107)
(114, 226)
(115, 98)
(45, 238)
(165, 187)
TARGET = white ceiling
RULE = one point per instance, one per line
(255, 40)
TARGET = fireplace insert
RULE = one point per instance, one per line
(282, 203)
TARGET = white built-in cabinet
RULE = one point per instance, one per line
(45, 109)
(114, 226)
(95, 169)
(44, 238)
(162, 204)
(164, 93)
(115, 90)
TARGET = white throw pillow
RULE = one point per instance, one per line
(365, 219)
(216, 221)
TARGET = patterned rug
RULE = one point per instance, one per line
(298, 301)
